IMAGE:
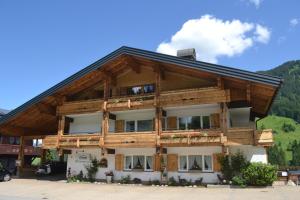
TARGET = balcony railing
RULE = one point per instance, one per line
(9, 149)
(192, 138)
(167, 98)
(248, 136)
(235, 136)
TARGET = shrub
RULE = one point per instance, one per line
(225, 167)
(172, 182)
(288, 128)
(137, 181)
(238, 180)
(1, 167)
(155, 182)
(126, 179)
(92, 169)
(259, 174)
(238, 163)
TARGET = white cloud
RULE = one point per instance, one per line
(262, 34)
(212, 38)
(294, 22)
(256, 3)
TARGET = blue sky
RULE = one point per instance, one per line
(43, 42)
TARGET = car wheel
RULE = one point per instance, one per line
(6, 177)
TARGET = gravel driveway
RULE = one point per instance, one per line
(31, 189)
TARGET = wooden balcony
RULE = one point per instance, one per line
(248, 136)
(167, 98)
(9, 149)
(174, 138)
(140, 139)
(192, 138)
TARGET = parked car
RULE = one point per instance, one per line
(5, 175)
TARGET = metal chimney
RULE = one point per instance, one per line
(187, 53)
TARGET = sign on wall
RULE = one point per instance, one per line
(82, 157)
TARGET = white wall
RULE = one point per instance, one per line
(239, 117)
(86, 123)
(208, 177)
(252, 153)
(77, 165)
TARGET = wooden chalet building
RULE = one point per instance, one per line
(9, 150)
(139, 112)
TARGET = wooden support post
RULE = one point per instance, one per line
(248, 93)
(61, 128)
(158, 109)
(21, 156)
(105, 120)
(224, 122)
(220, 83)
(44, 156)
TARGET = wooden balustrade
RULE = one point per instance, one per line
(192, 138)
(248, 136)
(9, 149)
(209, 137)
(166, 98)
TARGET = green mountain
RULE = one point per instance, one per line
(284, 114)
(287, 102)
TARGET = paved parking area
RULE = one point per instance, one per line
(31, 189)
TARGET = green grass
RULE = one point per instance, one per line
(281, 137)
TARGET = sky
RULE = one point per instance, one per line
(44, 42)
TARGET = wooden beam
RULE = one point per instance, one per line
(46, 109)
(220, 83)
(248, 93)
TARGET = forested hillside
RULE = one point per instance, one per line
(287, 102)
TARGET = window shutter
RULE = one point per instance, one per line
(215, 120)
(119, 161)
(172, 162)
(120, 124)
(216, 163)
(172, 122)
(156, 162)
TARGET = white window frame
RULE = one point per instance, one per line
(203, 163)
(201, 121)
(135, 125)
(145, 163)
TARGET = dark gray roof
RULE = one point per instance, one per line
(203, 66)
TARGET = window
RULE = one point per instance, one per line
(141, 89)
(145, 125)
(138, 163)
(195, 163)
(205, 122)
(134, 90)
(130, 126)
(193, 123)
(207, 163)
(149, 163)
(182, 123)
(128, 162)
(148, 88)
(183, 163)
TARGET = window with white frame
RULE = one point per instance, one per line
(195, 163)
(194, 122)
(139, 125)
(138, 163)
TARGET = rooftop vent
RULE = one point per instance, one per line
(187, 54)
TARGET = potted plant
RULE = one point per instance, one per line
(109, 176)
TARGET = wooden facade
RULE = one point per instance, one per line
(105, 90)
